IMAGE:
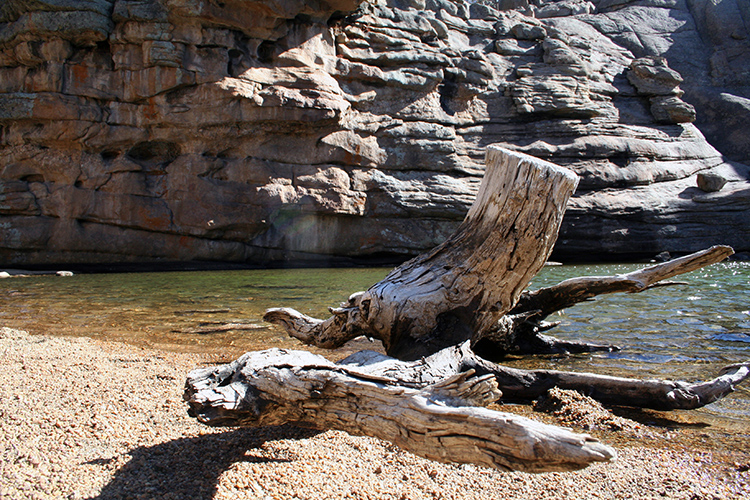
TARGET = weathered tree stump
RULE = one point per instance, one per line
(464, 286)
(447, 315)
(470, 287)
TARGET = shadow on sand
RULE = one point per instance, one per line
(189, 468)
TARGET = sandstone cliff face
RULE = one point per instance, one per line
(706, 41)
(269, 130)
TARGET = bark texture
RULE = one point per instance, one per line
(466, 284)
(441, 420)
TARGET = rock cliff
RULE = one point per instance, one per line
(146, 130)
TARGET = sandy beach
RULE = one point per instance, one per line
(82, 418)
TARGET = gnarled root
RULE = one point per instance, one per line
(439, 421)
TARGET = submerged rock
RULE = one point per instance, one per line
(150, 130)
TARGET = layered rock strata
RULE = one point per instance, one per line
(254, 131)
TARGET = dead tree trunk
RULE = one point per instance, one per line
(470, 287)
(466, 285)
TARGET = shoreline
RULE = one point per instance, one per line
(86, 418)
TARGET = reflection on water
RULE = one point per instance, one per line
(155, 309)
(687, 332)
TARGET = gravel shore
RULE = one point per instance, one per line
(81, 418)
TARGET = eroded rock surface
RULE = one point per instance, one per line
(270, 130)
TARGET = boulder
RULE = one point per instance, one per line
(652, 76)
(671, 109)
(710, 182)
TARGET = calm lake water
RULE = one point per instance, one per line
(683, 332)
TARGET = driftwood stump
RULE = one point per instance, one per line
(447, 315)
(463, 287)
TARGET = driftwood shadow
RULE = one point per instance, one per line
(657, 419)
(189, 468)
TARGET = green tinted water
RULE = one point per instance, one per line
(686, 332)
(155, 309)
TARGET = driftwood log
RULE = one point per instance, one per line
(432, 407)
(439, 419)
(444, 317)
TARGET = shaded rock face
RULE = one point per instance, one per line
(253, 131)
(705, 41)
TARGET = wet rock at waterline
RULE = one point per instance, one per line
(151, 130)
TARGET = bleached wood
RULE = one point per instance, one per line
(439, 421)
(467, 283)
(520, 331)
(528, 385)
(572, 291)
(470, 286)
(432, 407)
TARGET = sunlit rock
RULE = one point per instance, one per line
(253, 131)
